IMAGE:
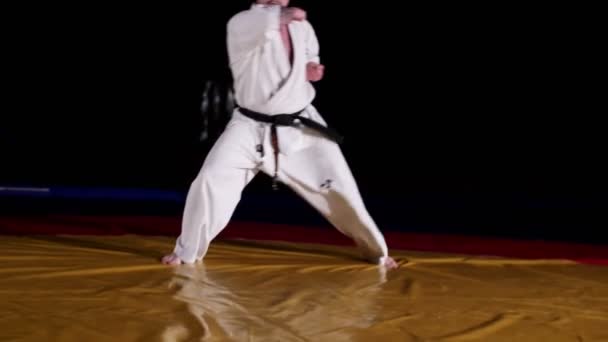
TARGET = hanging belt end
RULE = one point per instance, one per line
(275, 183)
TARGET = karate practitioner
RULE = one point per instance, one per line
(274, 56)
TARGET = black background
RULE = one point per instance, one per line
(500, 105)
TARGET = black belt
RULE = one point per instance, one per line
(293, 120)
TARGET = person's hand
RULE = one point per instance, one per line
(314, 71)
(289, 14)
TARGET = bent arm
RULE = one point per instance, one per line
(312, 45)
(251, 29)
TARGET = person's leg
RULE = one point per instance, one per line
(214, 194)
(321, 175)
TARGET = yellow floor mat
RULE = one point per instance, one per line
(112, 288)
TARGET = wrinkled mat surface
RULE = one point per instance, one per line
(112, 288)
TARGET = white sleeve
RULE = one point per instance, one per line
(251, 29)
(312, 45)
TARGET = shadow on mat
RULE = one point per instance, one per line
(157, 254)
(313, 250)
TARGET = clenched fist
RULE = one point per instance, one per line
(289, 14)
(314, 71)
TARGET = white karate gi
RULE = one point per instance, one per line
(309, 163)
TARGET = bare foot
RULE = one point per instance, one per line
(390, 263)
(171, 259)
